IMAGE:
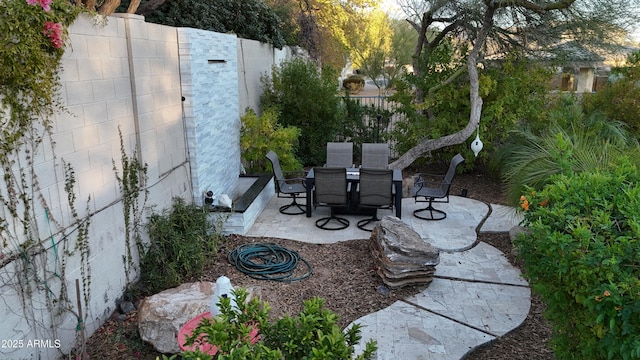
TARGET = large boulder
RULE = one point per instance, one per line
(400, 255)
(161, 316)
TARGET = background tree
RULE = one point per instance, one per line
(325, 26)
(494, 27)
(369, 40)
(249, 19)
(381, 47)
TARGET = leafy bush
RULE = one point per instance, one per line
(581, 254)
(618, 100)
(353, 83)
(259, 134)
(311, 335)
(361, 124)
(182, 240)
(249, 19)
(306, 99)
(571, 141)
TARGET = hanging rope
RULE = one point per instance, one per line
(268, 262)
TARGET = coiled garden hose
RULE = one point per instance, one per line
(266, 261)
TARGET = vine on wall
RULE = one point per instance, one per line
(36, 246)
(134, 198)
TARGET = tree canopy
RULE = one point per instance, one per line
(250, 19)
(491, 28)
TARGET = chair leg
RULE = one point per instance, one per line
(362, 223)
(323, 223)
(294, 203)
(434, 214)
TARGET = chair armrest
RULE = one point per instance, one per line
(302, 181)
(419, 179)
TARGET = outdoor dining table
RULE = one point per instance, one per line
(353, 177)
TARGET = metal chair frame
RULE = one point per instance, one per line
(287, 188)
(439, 193)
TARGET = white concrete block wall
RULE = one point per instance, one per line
(254, 60)
(208, 63)
(98, 91)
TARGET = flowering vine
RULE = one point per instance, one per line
(46, 4)
(54, 32)
(33, 35)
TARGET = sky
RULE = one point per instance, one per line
(391, 7)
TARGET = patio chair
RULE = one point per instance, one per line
(438, 193)
(331, 190)
(339, 154)
(287, 188)
(375, 192)
(375, 156)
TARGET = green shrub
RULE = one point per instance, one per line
(259, 134)
(311, 335)
(618, 100)
(361, 124)
(307, 99)
(182, 240)
(571, 141)
(353, 83)
(581, 254)
(514, 92)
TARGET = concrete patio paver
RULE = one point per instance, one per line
(475, 297)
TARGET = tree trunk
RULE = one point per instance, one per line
(108, 7)
(133, 6)
(461, 136)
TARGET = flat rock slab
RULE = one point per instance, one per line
(404, 331)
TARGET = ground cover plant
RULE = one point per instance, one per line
(313, 334)
(581, 255)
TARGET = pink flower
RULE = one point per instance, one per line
(46, 4)
(54, 32)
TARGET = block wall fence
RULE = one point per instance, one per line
(126, 77)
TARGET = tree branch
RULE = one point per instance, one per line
(461, 136)
(558, 5)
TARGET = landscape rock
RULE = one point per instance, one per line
(161, 316)
(400, 255)
(126, 307)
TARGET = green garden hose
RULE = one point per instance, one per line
(268, 262)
